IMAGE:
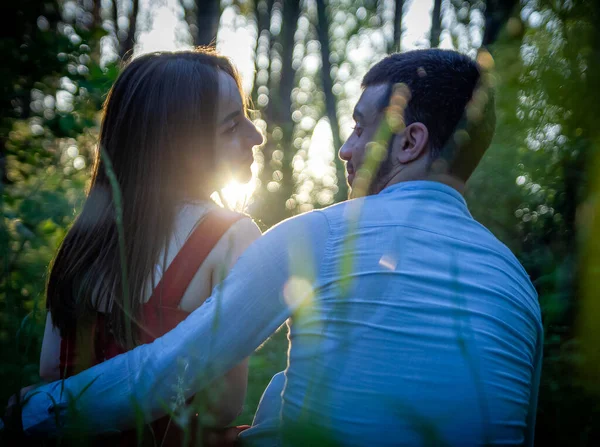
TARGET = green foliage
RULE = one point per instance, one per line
(267, 361)
(52, 90)
(531, 189)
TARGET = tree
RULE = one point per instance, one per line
(497, 13)
(436, 24)
(202, 17)
(269, 207)
(282, 107)
(262, 13)
(208, 13)
(542, 160)
(330, 99)
(97, 12)
(125, 38)
(51, 90)
(394, 45)
(129, 41)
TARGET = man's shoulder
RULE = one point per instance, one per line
(512, 266)
(312, 221)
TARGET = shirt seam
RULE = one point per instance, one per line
(328, 242)
(428, 231)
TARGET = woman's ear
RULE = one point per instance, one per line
(412, 143)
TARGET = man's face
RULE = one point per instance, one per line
(367, 116)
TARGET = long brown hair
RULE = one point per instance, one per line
(157, 131)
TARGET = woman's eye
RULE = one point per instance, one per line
(232, 129)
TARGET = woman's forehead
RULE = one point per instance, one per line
(230, 99)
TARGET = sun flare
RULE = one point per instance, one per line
(236, 195)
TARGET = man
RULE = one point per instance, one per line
(410, 322)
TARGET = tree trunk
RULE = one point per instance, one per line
(280, 112)
(394, 45)
(96, 13)
(497, 13)
(208, 14)
(436, 24)
(129, 42)
(291, 13)
(115, 18)
(330, 99)
(262, 11)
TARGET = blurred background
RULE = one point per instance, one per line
(302, 64)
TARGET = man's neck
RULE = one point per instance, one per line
(446, 179)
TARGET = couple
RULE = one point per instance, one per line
(409, 322)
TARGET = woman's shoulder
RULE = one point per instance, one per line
(223, 255)
(239, 230)
(193, 214)
(240, 234)
(190, 213)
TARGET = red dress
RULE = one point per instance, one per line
(160, 314)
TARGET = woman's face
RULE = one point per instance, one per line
(236, 135)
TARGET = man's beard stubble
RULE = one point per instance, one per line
(383, 173)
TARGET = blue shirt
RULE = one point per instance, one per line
(410, 322)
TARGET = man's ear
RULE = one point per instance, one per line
(412, 143)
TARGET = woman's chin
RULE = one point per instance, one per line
(228, 176)
(243, 177)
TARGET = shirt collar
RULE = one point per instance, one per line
(424, 185)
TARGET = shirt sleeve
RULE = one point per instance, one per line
(269, 281)
(232, 245)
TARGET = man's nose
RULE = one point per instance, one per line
(345, 152)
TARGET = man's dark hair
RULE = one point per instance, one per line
(441, 83)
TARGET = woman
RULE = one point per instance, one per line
(174, 129)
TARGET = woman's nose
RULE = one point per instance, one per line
(256, 136)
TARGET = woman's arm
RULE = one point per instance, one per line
(50, 355)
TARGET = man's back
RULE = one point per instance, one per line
(423, 326)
